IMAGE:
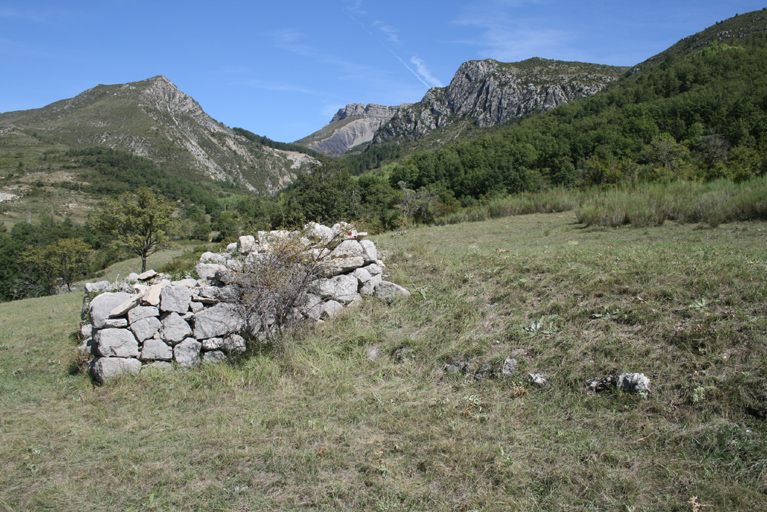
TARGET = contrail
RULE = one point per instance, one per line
(420, 79)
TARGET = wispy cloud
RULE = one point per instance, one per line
(392, 34)
(424, 73)
(354, 6)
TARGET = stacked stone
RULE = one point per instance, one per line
(190, 321)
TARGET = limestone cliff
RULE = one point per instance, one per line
(491, 92)
(352, 126)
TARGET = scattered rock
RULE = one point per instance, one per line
(387, 291)
(463, 367)
(372, 354)
(634, 383)
(509, 365)
(539, 379)
(628, 382)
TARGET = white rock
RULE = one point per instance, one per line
(369, 251)
(330, 309)
(106, 368)
(387, 290)
(634, 382)
(175, 299)
(247, 244)
(219, 320)
(141, 312)
(341, 288)
(209, 270)
(149, 274)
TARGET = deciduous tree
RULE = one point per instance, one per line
(140, 222)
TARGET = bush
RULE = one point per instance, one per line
(272, 284)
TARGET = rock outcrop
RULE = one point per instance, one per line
(149, 320)
(489, 92)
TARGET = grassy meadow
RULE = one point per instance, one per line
(321, 426)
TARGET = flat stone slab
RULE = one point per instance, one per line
(105, 368)
(103, 304)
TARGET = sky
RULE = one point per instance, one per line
(282, 68)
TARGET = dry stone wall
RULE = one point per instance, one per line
(148, 320)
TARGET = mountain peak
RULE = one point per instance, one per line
(490, 92)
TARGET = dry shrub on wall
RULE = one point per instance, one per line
(271, 285)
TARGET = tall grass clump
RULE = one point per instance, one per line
(545, 201)
(685, 202)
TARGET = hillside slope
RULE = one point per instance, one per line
(152, 118)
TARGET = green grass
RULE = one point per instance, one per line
(323, 428)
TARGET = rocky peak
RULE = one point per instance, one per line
(369, 110)
(491, 92)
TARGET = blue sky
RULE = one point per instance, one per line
(282, 68)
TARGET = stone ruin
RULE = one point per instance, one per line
(148, 320)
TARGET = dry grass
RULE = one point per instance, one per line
(323, 428)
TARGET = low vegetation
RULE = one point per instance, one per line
(358, 413)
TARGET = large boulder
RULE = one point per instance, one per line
(156, 350)
(141, 312)
(187, 353)
(175, 329)
(104, 368)
(103, 304)
(116, 343)
(217, 321)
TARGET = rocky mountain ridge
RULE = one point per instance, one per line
(154, 119)
(351, 126)
(491, 92)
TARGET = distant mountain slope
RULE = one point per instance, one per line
(352, 126)
(726, 31)
(152, 118)
(492, 92)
